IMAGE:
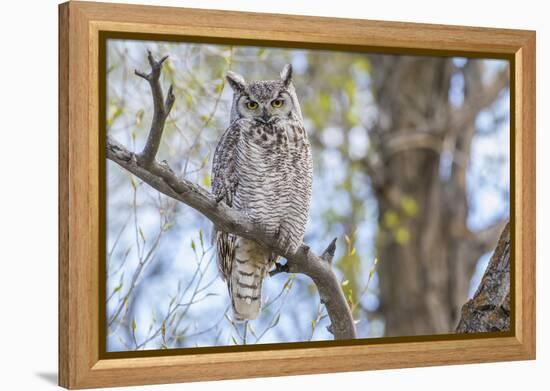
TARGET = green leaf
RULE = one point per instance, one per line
(409, 206)
(206, 181)
(117, 113)
(111, 68)
(363, 64)
(391, 219)
(352, 118)
(219, 87)
(188, 100)
(324, 102)
(345, 282)
(402, 235)
(350, 88)
(134, 325)
(288, 283)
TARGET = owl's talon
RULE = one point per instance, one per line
(219, 198)
(279, 268)
(229, 198)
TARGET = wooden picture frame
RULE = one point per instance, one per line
(81, 362)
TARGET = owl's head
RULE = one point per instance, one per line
(264, 100)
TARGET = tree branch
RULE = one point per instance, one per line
(489, 310)
(416, 139)
(161, 109)
(477, 99)
(161, 177)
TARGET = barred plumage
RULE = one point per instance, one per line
(262, 167)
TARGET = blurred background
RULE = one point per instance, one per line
(411, 174)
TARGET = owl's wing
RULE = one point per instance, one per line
(224, 176)
(224, 184)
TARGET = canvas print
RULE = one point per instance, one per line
(264, 195)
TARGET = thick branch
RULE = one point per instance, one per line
(163, 179)
(489, 310)
(161, 109)
(417, 139)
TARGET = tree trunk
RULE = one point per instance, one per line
(489, 310)
(426, 253)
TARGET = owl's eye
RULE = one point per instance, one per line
(277, 103)
(251, 105)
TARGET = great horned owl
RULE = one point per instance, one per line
(262, 167)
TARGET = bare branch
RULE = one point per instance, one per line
(161, 109)
(417, 139)
(161, 177)
(477, 99)
(328, 254)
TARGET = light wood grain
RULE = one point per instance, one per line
(79, 253)
(63, 220)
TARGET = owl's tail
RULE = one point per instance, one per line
(245, 286)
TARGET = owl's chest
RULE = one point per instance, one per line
(278, 139)
(270, 156)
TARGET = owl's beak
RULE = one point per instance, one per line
(265, 116)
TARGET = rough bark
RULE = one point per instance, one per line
(427, 253)
(489, 309)
(161, 177)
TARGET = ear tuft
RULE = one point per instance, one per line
(236, 81)
(286, 75)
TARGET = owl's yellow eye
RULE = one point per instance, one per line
(277, 103)
(251, 105)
